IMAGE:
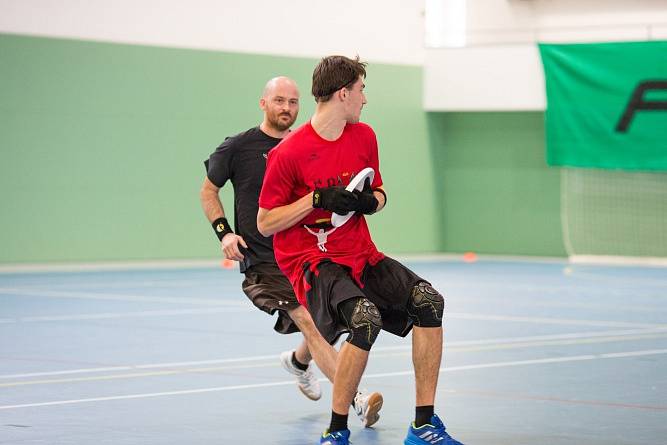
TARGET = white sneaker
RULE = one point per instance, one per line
(305, 380)
(367, 405)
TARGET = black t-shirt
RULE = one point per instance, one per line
(242, 160)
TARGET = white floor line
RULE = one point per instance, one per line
(548, 303)
(135, 375)
(66, 372)
(165, 371)
(541, 361)
(379, 352)
(19, 292)
(135, 314)
(148, 395)
(125, 284)
(109, 266)
(534, 338)
(220, 303)
(144, 366)
(545, 320)
(544, 361)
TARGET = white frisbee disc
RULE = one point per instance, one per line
(356, 183)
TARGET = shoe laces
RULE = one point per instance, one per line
(441, 430)
(334, 435)
(306, 376)
(359, 403)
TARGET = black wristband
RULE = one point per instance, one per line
(221, 227)
(378, 189)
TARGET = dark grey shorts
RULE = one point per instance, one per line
(388, 285)
(270, 290)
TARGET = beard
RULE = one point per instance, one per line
(281, 124)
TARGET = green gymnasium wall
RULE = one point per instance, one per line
(101, 150)
(495, 193)
(101, 147)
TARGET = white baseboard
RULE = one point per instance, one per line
(618, 260)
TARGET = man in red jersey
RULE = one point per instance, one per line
(337, 272)
(241, 160)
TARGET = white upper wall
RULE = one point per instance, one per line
(527, 21)
(388, 31)
(499, 67)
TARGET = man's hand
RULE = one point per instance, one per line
(367, 203)
(230, 246)
(335, 199)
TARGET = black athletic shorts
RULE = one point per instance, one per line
(388, 285)
(270, 290)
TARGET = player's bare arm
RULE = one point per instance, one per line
(210, 201)
(284, 217)
(213, 209)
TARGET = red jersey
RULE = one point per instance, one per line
(301, 163)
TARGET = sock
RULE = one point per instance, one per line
(338, 422)
(297, 364)
(423, 415)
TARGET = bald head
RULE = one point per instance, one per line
(279, 83)
(280, 103)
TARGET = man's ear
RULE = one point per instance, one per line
(343, 93)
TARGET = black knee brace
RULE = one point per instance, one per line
(363, 320)
(425, 306)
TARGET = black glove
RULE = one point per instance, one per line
(335, 199)
(367, 203)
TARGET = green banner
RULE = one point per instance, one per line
(607, 105)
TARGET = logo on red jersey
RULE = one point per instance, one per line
(342, 179)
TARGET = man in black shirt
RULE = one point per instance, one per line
(242, 160)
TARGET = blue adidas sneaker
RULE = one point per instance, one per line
(341, 437)
(432, 433)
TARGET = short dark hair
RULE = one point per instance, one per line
(334, 73)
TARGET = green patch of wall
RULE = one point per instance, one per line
(494, 191)
(101, 147)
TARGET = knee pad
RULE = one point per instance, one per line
(426, 306)
(363, 320)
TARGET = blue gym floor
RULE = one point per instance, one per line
(535, 353)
